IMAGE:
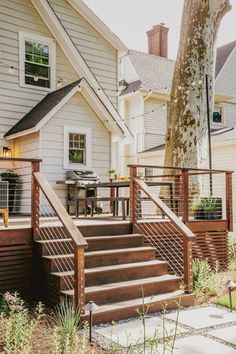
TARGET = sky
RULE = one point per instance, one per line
(131, 19)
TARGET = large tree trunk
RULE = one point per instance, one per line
(187, 134)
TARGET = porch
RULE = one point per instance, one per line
(65, 254)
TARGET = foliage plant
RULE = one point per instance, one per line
(205, 204)
(20, 325)
(66, 338)
(205, 279)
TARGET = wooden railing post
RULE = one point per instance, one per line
(185, 195)
(35, 167)
(187, 253)
(79, 278)
(229, 200)
(133, 201)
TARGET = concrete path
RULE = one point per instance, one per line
(200, 330)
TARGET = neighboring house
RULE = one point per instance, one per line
(146, 84)
(59, 87)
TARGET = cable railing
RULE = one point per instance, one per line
(167, 203)
(192, 194)
(62, 239)
(170, 237)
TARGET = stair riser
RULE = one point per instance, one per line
(124, 313)
(55, 266)
(132, 292)
(128, 242)
(106, 230)
(107, 277)
(119, 258)
(55, 248)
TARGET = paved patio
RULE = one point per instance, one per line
(200, 330)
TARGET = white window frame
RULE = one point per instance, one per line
(23, 36)
(77, 130)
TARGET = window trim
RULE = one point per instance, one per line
(77, 130)
(23, 36)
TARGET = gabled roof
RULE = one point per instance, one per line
(34, 120)
(222, 56)
(49, 102)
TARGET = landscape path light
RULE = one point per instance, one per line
(90, 307)
(231, 287)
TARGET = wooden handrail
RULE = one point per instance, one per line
(178, 168)
(185, 231)
(61, 212)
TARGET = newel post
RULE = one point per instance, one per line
(79, 277)
(35, 199)
(185, 195)
(229, 200)
(133, 201)
(188, 276)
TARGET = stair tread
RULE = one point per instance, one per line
(120, 250)
(93, 238)
(54, 240)
(114, 267)
(113, 237)
(149, 300)
(124, 284)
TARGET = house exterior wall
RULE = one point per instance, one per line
(226, 84)
(98, 54)
(75, 113)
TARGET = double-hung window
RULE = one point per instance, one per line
(37, 61)
(77, 147)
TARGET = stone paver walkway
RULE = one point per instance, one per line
(200, 330)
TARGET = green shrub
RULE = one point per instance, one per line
(19, 326)
(205, 279)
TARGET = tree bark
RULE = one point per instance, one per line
(187, 133)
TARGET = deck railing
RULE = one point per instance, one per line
(175, 199)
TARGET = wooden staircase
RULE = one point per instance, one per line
(118, 270)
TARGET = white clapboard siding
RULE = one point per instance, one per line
(75, 113)
(226, 84)
(16, 101)
(98, 54)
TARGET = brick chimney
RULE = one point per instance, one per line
(158, 40)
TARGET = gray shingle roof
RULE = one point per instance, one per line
(222, 55)
(156, 73)
(32, 118)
